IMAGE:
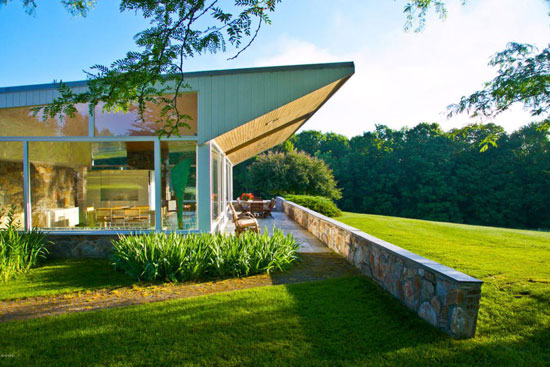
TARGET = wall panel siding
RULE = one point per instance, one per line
(227, 98)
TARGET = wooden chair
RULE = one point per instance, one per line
(242, 204)
(104, 216)
(268, 208)
(257, 208)
(118, 217)
(244, 221)
(137, 216)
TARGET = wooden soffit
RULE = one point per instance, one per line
(274, 127)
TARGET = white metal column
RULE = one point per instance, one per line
(204, 187)
(158, 188)
(91, 120)
(26, 187)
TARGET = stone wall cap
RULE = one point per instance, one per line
(431, 265)
(427, 263)
(321, 216)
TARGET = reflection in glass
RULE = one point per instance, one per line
(129, 124)
(19, 121)
(229, 178)
(217, 183)
(84, 185)
(179, 177)
(11, 180)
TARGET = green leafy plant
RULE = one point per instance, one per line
(292, 172)
(320, 204)
(178, 258)
(19, 251)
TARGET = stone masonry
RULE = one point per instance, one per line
(444, 297)
(80, 246)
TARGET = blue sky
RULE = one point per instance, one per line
(401, 78)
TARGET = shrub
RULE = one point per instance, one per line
(19, 251)
(177, 258)
(320, 204)
(291, 173)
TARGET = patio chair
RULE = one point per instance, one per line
(243, 205)
(244, 221)
(257, 208)
(268, 208)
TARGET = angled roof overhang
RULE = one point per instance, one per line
(298, 97)
(245, 111)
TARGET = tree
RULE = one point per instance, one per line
(292, 173)
(179, 30)
(523, 77)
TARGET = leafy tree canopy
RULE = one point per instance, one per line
(426, 173)
(179, 29)
(523, 77)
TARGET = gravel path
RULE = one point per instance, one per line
(314, 266)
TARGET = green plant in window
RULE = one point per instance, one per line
(179, 176)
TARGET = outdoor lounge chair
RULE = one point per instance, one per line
(244, 221)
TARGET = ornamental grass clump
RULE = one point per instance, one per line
(178, 258)
(19, 251)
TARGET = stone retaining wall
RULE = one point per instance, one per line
(79, 246)
(444, 297)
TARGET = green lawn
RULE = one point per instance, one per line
(339, 322)
(514, 264)
(64, 276)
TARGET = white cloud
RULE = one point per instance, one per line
(412, 77)
(291, 51)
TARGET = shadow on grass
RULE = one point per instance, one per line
(346, 321)
(334, 322)
(61, 276)
(360, 324)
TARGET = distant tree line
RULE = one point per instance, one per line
(427, 173)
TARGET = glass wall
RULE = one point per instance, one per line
(229, 180)
(94, 185)
(220, 176)
(216, 182)
(179, 185)
(11, 181)
(129, 124)
(85, 185)
(20, 121)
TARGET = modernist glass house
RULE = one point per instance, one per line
(104, 173)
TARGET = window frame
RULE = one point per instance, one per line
(27, 226)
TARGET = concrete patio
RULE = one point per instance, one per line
(308, 242)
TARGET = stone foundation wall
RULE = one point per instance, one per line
(80, 246)
(444, 297)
